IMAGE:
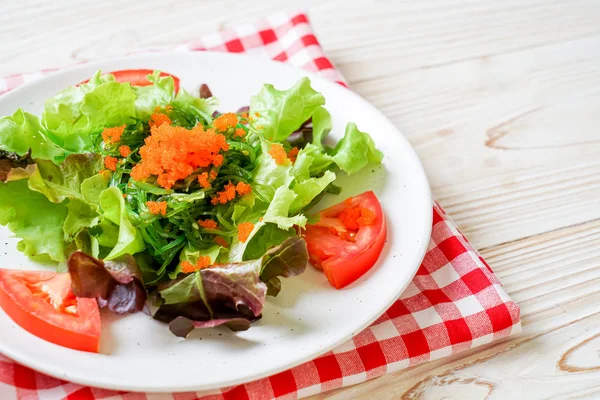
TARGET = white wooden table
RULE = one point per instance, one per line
(501, 99)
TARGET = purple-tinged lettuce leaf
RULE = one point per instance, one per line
(117, 284)
(227, 294)
(224, 292)
(182, 326)
(288, 259)
(14, 167)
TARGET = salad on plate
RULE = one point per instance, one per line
(149, 198)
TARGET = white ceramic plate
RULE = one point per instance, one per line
(307, 319)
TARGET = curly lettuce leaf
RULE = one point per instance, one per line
(129, 240)
(116, 284)
(268, 175)
(80, 215)
(321, 125)
(14, 167)
(262, 214)
(61, 182)
(355, 150)
(34, 219)
(78, 112)
(84, 212)
(75, 115)
(182, 326)
(93, 186)
(147, 98)
(266, 237)
(288, 259)
(22, 133)
(225, 294)
(279, 209)
(307, 190)
(276, 114)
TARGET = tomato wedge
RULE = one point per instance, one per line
(348, 239)
(139, 77)
(42, 303)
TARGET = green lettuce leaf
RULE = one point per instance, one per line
(147, 98)
(75, 114)
(262, 214)
(80, 215)
(129, 240)
(110, 104)
(84, 212)
(355, 150)
(22, 133)
(268, 175)
(309, 189)
(320, 160)
(279, 209)
(93, 186)
(276, 114)
(34, 219)
(322, 125)
(268, 236)
(60, 182)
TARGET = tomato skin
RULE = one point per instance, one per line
(139, 77)
(342, 261)
(24, 303)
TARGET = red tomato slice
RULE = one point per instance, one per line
(42, 303)
(345, 244)
(139, 77)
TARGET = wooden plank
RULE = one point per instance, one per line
(556, 356)
(509, 140)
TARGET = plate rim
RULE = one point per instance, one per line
(423, 244)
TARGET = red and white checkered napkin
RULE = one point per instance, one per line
(454, 303)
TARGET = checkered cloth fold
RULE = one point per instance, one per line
(454, 303)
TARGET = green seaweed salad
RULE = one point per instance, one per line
(141, 190)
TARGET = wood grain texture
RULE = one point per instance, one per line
(500, 100)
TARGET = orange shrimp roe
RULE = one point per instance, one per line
(158, 119)
(245, 115)
(213, 175)
(168, 108)
(203, 262)
(172, 153)
(110, 163)
(355, 217)
(203, 180)
(293, 154)
(225, 195)
(225, 121)
(113, 135)
(239, 132)
(221, 242)
(208, 223)
(125, 151)
(243, 188)
(157, 207)
(244, 230)
(278, 153)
